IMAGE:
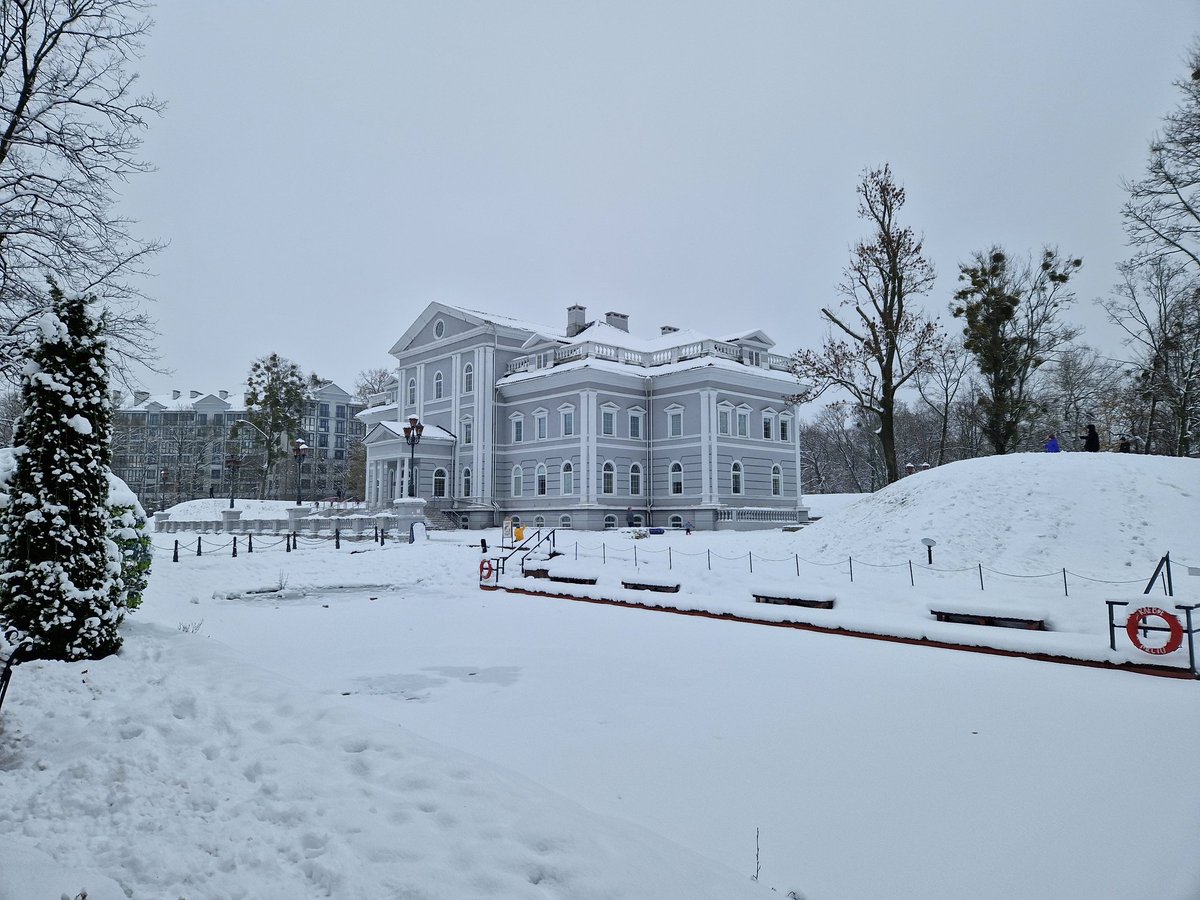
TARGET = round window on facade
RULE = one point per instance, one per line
(439, 328)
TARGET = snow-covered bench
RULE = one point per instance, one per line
(996, 615)
(571, 573)
(641, 582)
(793, 595)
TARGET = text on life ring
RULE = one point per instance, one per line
(1174, 635)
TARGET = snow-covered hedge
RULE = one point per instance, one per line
(127, 528)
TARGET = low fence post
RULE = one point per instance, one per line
(295, 540)
(337, 539)
(910, 574)
(980, 576)
(851, 558)
(1065, 593)
(250, 543)
(287, 542)
(175, 555)
(235, 546)
(198, 550)
(750, 555)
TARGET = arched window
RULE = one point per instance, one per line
(564, 521)
(412, 392)
(608, 479)
(568, 479)
(439, 482)
(518, 481)
(635, 480)
(610, 522)
(468, 378)
(676, 478)
(539, 522)
(735, 478)
(466, 481)
(776, 481)
(637, 520)
(437, 386)
(676, 522)
(540, 479)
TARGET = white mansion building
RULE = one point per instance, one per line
(586, 427)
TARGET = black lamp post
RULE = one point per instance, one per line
(299, 451)
(232, 463)
(412, 437)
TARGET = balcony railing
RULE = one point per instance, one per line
(649, 359)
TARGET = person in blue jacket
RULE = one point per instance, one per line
(1051, 444)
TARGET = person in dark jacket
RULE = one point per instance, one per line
(1051, 444)
(1126, 446)
(1091, 440)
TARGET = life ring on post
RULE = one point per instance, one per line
(1174, 627)
(486, 570)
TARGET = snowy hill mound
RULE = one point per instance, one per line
(1026, 512)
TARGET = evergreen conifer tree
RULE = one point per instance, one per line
(60, 586)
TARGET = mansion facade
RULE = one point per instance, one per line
(586, 426)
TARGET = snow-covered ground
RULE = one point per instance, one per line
(367, 723)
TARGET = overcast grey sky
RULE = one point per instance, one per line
(326, 169)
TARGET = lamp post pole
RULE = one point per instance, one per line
(299, 451)
(232, 463)
(412, 436)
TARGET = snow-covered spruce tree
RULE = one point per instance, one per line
(60, 587)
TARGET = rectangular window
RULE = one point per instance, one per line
(676, 429)
(468, 429)
(518, 430)
(783, 429)
(722, 421)
(743, 424)
(767, 427)
(607, 422)
(568, 423)
(341, 411)
(323, 410)
(339, 441)
(542, 427)
(635, 426)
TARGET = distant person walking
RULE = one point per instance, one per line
(629, 517)
(1051, 444)
(1091, 440)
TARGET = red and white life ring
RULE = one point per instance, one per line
(485, 570)
(1174, 635)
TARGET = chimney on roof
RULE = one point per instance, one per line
(224, 395)
(667, 329)
(140, 397)
(576, 319)
(617, 320)
(175, 395)
(194, 394)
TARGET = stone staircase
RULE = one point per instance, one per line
(439, 520)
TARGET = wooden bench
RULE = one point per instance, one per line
(995, 619)
(662, 587)
(573, 579)
(8, 659)
(813, 603)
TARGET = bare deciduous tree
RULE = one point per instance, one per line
(70, 125)
(372, 381)
(1162, 214)
(1157, 305)
(885, 339)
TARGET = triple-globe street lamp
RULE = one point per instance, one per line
(412, 437)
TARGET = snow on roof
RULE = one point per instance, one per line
(699, 362)
(436, 432)
(510, 321)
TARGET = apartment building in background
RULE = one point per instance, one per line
(173, 447)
